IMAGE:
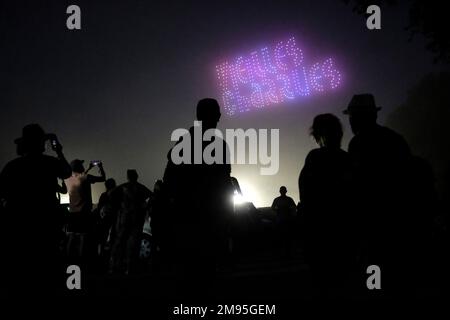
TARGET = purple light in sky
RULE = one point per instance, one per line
(271, 76)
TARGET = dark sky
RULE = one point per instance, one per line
(116, 89)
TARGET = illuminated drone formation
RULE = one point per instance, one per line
(273, 75)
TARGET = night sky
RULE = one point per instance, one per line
(116, 89)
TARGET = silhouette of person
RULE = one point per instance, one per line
(106, 215)
(132, 199)
(324, 184)
(104, 200)
(28, 185)
(201, 206)
(381, 160)
(285, 209)
(80, 206)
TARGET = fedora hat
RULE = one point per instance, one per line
(32, 133)
(362, 103)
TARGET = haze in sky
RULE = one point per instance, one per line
(116, 89)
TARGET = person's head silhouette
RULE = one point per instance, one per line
(327, 130)
(32, 140)
(77, 166)
(283, 190)
(208, 111)
(132, 175)
(362, 112)
(110, 184)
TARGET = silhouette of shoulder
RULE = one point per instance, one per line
(379, 138)
(43, 163)
(146, 191)
(324, 154)
(125, 187)
(283, 199)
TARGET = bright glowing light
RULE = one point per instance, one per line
(238, 199)
(249, 194)
(271, 76)
(64, 198)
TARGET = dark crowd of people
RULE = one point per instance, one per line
(374, 204)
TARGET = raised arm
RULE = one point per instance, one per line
(101, 178)
(64, 169)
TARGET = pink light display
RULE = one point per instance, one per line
(271, 76)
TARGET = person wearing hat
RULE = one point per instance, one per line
(380, 157)
(80, 204)
(362, 112)
(373, 147)
(28, 186)
(372, 143)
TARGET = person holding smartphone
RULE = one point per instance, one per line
(80, 204)
(28, 187)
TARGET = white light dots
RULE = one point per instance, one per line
(271, 76)
(324, 76)
(331, 73)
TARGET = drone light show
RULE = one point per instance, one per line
(272, 75)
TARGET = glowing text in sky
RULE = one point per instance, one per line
(271, 76)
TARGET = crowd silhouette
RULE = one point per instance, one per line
(374, 204)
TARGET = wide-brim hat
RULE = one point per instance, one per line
(362, 103)
(31, 133)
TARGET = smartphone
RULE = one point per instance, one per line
(53, 140)
(95, 162)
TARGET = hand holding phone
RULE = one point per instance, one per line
(96, 163)
(56, 146)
